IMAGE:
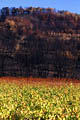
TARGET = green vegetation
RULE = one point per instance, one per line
(32, 102)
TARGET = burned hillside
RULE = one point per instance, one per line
(39, 43)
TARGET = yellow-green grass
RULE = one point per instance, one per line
(39, 102)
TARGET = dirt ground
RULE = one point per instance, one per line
(39, 81)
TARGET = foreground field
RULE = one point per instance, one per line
(39, 102)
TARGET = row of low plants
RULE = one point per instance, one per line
(32, 102)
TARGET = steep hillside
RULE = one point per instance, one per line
(40, 44)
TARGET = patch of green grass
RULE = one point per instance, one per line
(39, 102)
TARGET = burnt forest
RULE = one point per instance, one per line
(39, 42)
